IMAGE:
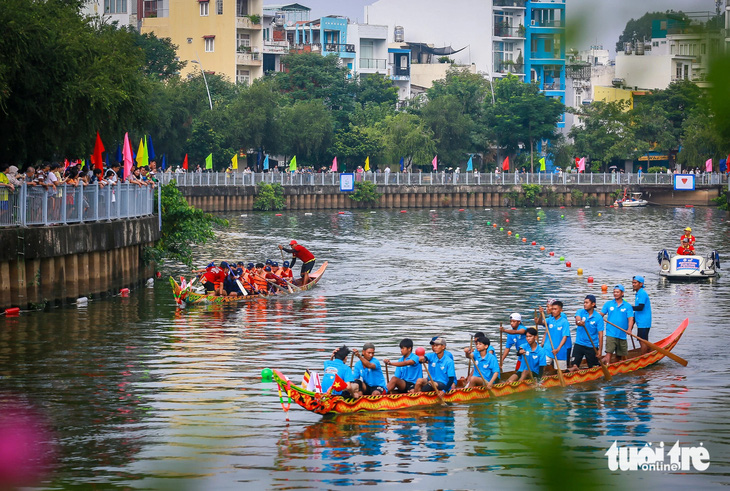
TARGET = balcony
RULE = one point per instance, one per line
(339, 48)
(372, 64)
(276, 47)
(547, 23)
(509, 32)
(506, 4)
(553, 86)
(248, 59)
(246, 23)
(508, 67)
(401, 72)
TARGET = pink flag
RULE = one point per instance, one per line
(708, 165)
(334, 165)
(435, 161)
(582, 164)
(127, 156)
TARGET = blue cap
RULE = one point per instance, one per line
(212, 263)
(275, 264)
(619, 287)
(224, 264)
(640, 279)
(268, 261)
(249, 266)
(286, 264)
(267, 268)
(239, 271)
(592, 298)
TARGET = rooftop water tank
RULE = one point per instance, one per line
(627, 48)
(639, 48)
(279, 19)
(398, 34)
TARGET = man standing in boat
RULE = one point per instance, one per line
(441, 368)
(588, 334)
(642, 311)
(558, 338)
(302, 253)
(619, 312)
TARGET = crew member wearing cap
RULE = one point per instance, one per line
(440, 366)
(213, 278)
(686, 249)
(558, 340)
(588, 334)
(515, 335)
(642, 311)
(619, 312)
(336, 367)
(302, 253)
(258, 279)
(688, 235)
(286, 271)
(368, 373)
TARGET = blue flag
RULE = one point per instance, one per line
(401, 164)
(107, 160)
(150, 148)
(164, 162)
(266, 163)
(469, 165)
(119, 153)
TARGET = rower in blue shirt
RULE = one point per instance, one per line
(407, 370)
(535, 356)
(619, 312)
(440, 366)
(588, 335)
(515, 335)
(642, 311)
(486, 366)
(556, 344)
(336, 366)
(368, 369)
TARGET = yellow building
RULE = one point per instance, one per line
(613, 94)
(224, 37)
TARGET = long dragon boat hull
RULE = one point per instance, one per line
(329, 404)
(190, 297)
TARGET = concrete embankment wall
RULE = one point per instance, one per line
(241, 198)
(55, 265)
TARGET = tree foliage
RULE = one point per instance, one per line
(641, 28)
(607, 134)
(270, 197)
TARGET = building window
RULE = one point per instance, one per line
(243, 76)
(204, 6)
(209, 45)
(115, 6)
(679, 71)
(219, 7)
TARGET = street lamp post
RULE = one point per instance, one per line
(200, 65)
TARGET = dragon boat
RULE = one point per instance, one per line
(323, 403)
(189, 296)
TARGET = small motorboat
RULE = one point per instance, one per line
(634, 200)
(694, 267)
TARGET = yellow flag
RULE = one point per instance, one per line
(234, 161)
(367, 164)
(142, 158)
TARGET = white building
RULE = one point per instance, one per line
(124, 12)
(371, 48)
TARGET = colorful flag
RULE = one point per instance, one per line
(505, 163)
(127, 156)
(293, 164)
(582, 164)
(266, 163)
(708, 165)
(334, 164)
(164, 162)
(185, 162)
(209, 161)
(316, 383)
(435, 161)
(401, 164)
(367, 164)
(470, 165)
(150, 149)
(338, 384)
(142, 158)
(119, 153)
(98, 149)
(66, 163)
(542, 164)
(306, 379)
(234, 161)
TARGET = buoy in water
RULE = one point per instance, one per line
(604, 288)
(83, 300)
(124, 292)
(307, 214)
(500, 228)
(590, 279)
(12, 312)
(562, 216)
(509, 232)
(495, 225)
(266, 374)
(567, 264)
(599, 214)
(534, 243)
(580, 271)
(517, 235)
(524, 239)
(562, 258)
(461, 209)
(403, 211)
(489, 223)
(513, 208)
(158, 274)
(538, 219)
(340, 212)
(278, 214)
(552, 253)
(542, 248)
(507, 220)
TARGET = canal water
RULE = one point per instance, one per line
(136, 393)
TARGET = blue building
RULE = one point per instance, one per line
(327, 35)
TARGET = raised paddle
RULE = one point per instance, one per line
(352, 359)
(500, 348)
(653, 346)
(552, 347)
(238, 282)
(606, 373)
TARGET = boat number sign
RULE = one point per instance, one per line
(688, 263)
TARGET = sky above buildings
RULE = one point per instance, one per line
(597, 21)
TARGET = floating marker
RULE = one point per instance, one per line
(688, 206)
(590, 279)
(567, 264)
(586, 206)
(580, 271)
(487, 209)
(432, 211)
(509, 232)
(524, 239)
(535, 243)
(307, 214)
(539, 208)
(461, 209)
(12, 312)
(373, 212)
(124, 292)
(150, 282)
(244, 215)
(552, 253)
(266, 374)
(604, 288)
(83, 300)
(562, 258)
(599, 214)
(538, 219)
(403, 211)
(507, 220)
(562, 216)
(562, 207)
(340, 212)
(495, 225)
(158, 274)
(278, 214)
(489, 223)
(500, 228)
(517, 235)
(513, 208)
(542, 248)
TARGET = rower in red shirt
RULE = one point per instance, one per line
(302, 253)
(213, 277)
(686, 249)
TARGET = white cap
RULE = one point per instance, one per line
(515, 317)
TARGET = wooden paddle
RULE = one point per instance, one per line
(653, 346)
(238, 282)
(387, 375)
(606, 373)
(527, 367)
(433, 384)
(552, 347)
(352, 359)
(468, 365)
(500, 347)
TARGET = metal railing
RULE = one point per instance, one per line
(35, 205)
(430, 178)
(376, 63)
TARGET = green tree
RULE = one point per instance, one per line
(161, 60)
(607, 133)
(406, 136)
(309, 129)
(270, 197)
(470, 89)
(376, 89)
(450, 126)
(356, 144)
(254, 117)
(700, 141)
(520, 114)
